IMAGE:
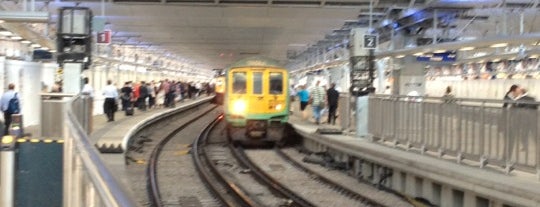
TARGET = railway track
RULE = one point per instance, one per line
(230, 190)
(151, 170)
(233, 176)
(236, 191)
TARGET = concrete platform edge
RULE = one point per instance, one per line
(489, 184)
(156, 117)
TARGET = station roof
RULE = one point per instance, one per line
(216, 33)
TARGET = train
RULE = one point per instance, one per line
(219, 90)
(256, 102)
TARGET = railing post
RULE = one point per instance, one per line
(7, 172)
(537, 147)
(68, 166)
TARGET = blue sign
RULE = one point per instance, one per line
(437, 57)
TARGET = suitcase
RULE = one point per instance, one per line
(130, 111)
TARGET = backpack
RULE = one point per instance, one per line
(13, 107)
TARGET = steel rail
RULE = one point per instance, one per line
(334, 185)
(202, 163)
(276, 186)
(151, 170)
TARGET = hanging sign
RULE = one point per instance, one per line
(104, 37)
(370, 41)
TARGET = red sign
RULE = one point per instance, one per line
(104, 37)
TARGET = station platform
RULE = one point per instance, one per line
(490, 183)
(113, 133)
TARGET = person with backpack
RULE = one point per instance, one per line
(10, 105)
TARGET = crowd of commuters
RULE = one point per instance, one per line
(149, 95)
(322, 101)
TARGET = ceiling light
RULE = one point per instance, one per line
(466, 48)
(504, 44)
(52, 51)
(496, 60)
(439, 51)
(44, 48)
(35, 45)
(16, 38)
(418, 54)
(6, 33)
(533, 56)
(2, 21)
(400, 56)
(26, 42)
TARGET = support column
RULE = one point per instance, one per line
(427, 189)
(446, 197)
(72, 78)
(396, 180)
(469, 198)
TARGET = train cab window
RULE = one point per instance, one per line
(257, 83)
(239, 82)
(276, 83)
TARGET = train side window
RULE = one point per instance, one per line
(276, 83)
(257, 83)
(239, 82)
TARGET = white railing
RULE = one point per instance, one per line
(87, 182)
(466, 129)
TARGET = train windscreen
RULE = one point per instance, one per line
(276, 83)
(257, 83)
(239, 82)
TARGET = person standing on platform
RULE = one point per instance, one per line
(111, 94)
(151, 94)
(332, 99)
(317, 98)
(510, 95)
(165, 87)
(10, 105)
(303, 96)
(143, 94)
(448, 96)
(87, 88)
(126, 94)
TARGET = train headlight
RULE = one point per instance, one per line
(279, 107)
(239, 107)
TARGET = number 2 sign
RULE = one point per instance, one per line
(370, 41)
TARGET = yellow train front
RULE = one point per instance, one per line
(256, 101)
(219, 90)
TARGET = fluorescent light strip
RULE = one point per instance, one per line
(26, 42)
(16, 38)
(466, 48)
(6, 33)
(504, 44)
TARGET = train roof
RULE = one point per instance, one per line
(256, 61)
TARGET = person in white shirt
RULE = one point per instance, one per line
(87, 88)
(111, 94)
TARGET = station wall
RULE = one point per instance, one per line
(482, 89)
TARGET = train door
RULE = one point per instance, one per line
(258, 100)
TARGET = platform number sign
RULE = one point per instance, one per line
(370, 41)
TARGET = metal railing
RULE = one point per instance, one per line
(87, 182)
(471, 129)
